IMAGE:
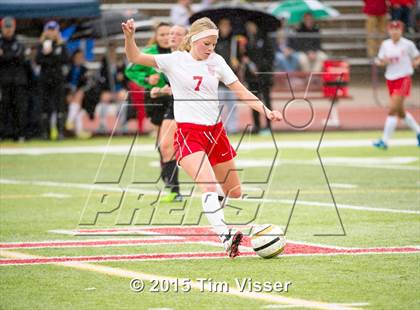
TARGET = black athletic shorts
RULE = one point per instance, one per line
(158, 109)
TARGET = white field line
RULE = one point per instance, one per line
(124, 273)
(342, 206)
(353, 304)
(139, 149)
(335, 247)
(56, 195)
(393, 163)
(341, 185)
(98, 187)
(169, 238)
(75, 232)
(340, 254)
(155, 192)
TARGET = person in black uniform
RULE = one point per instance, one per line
(258, 57)
(13, 82)
(52, 57)
(33, 124)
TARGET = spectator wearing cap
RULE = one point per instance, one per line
(401, 10)
(376, 12)
(13, 82)
(52, 57)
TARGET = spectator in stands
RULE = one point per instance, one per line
(105, 113)
(181, 12)
(76, 81)
(33, 125)
(308, 44)
(52, 57)
(13, 83)
(227, 47)
(115, 70)
(417, 26)
(376, 12)
(206, 4)
(401, 10)
(286, 59)
(258, 57)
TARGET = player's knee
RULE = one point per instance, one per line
(235, 193)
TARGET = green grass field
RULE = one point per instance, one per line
(47, 195)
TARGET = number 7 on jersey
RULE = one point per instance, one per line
(199, 79)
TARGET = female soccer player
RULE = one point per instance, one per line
(400, 56)
(202, 147)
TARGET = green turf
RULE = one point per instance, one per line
(28, 212)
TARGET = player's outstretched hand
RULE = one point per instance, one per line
(416, 63)
(129, 28)
(275, 116)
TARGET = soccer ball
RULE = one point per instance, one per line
(268, 240)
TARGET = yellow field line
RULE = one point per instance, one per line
(125, 273)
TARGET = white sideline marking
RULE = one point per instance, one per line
(98, 187)
(394, 163)
(341, 206)
(354, 304)
(128, 230)
(340, 185)
(371, 160)
(56, 195)
(140, 149)
(154, 192)
(125, 273)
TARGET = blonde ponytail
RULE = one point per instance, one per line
(186, 43)
(199, 25)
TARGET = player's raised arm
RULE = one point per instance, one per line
(131, 49)
(244, 94)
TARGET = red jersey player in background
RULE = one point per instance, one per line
(400, 56)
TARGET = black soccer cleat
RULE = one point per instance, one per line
(232, 242)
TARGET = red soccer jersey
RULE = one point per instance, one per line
(375, 7)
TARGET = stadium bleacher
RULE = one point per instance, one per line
(351, 21)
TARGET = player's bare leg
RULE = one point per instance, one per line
(409, 120)
(228, 178)
(198, 167)
(395, 109)
(168, 162)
